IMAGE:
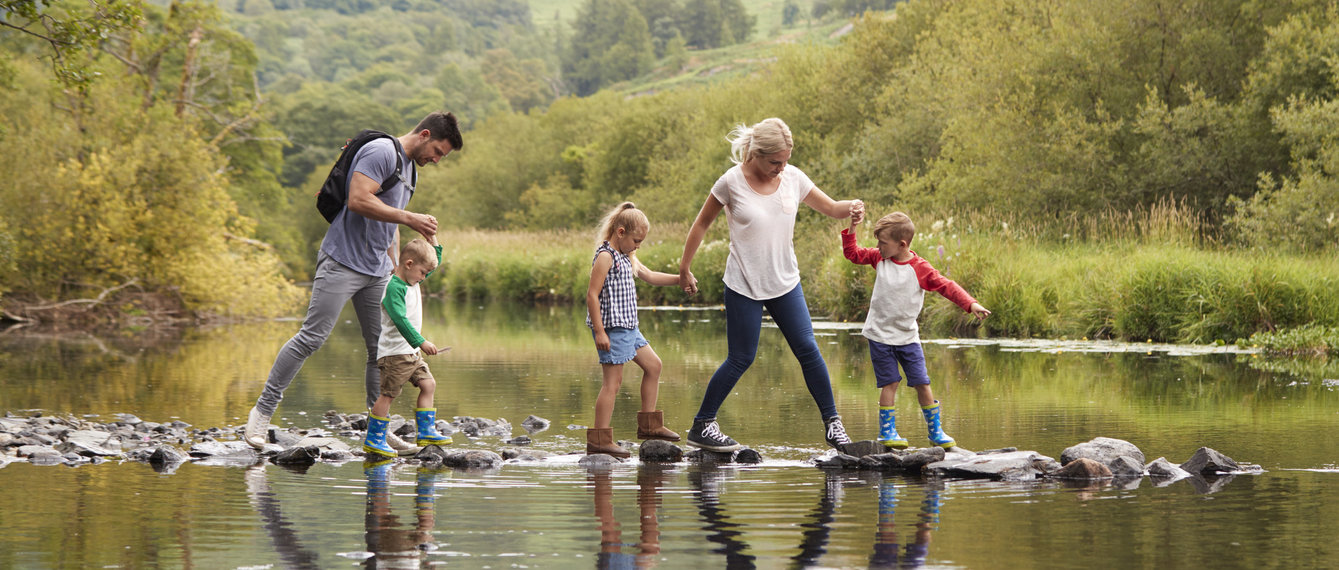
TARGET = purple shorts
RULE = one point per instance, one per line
(887, 357)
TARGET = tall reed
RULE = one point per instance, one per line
(1149, 274)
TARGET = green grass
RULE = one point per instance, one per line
(1131, 276)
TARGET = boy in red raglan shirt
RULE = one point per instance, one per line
(899, 293)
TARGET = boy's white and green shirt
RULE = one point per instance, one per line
(402, 316)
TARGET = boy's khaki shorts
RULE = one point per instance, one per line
(397, 369)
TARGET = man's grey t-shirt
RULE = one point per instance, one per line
(357, 242)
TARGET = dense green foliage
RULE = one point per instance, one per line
(1140, 277)
(1310, 339)
(1057, 112)
(137, 177)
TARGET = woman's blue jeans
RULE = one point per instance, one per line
(743, 324)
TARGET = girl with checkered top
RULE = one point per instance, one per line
(611, 303)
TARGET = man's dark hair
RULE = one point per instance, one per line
(442, 126)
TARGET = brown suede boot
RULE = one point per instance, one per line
(651, 425)
(601, 440)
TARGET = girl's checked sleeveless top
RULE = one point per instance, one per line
(618, 296)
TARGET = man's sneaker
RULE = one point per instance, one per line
(836, 434)
(401, 447)
(707, 435)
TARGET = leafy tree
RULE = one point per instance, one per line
(144, 199)
(715, 23)
(662, 17)
(521, 82)
(1296, 79)
(610, 42)
(70, 30)
(790, 13)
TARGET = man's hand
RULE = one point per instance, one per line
(424, 224)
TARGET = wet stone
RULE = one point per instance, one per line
(521, 440)
(657, 451)
(1013, 466)
(1104, 450)
(129, 419)
(598, 460)
(1207, 461)
(707, 457)
(534, 424)
(863, 448)
(1160, 468)
(1126, 467)
(166, 455)
(47, 459)
(482, 427)
(303, 455)
(1082, 469)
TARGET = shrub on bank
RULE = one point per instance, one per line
(1123, 287)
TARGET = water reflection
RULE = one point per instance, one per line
(394, 544)
(707, 481)
(282, 535)
(888, 550)
(643, 553)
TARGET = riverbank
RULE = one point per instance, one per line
(1140, 285)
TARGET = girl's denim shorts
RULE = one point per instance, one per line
(623, 345)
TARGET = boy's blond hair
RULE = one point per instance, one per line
(895, 226)
(420, 251)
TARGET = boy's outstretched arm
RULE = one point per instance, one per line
(979, 312)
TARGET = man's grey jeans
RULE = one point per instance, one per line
(334, 285)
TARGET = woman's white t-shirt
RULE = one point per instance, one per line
(762, 263)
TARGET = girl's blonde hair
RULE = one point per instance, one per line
(628, 217)
(768, 136)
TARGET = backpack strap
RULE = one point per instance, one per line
(399, 169)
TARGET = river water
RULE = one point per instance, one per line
(511, 361)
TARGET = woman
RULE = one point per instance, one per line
(761, 195)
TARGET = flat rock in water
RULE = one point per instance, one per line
(707, 457)
(166, 455)
(93, 439)
(1082, 469)
(1125, 467)
(1207, 461)
(598, 460)
(1012, 466)
(301, 455)
(863, 448)
(85, 450)
(464, 459)
(1104, 450)
(1165, 470)
(534, 424)
(657, 451)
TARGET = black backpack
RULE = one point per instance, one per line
(334, 192)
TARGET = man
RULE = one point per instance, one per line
(356, 258)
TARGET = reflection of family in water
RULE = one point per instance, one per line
(642, 553)
(393, 543)
(889, 551)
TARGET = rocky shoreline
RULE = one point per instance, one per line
(67, 440)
